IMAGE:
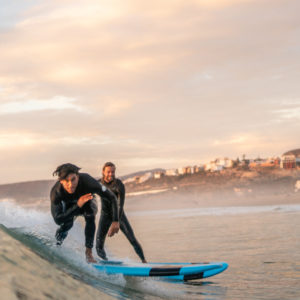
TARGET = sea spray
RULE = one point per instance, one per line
(35, 229)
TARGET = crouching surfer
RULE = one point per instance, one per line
(72, 196)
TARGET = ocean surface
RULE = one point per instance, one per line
(261, 244)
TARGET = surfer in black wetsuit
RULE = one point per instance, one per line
(106, 218)
(72, 196)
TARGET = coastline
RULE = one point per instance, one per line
(230, 187)
(227, 188)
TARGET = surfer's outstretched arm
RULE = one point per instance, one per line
(59, 212)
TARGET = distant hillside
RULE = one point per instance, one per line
(295, 152)
(140, 173)
(234, 182)
(27, 191)
(259, 180)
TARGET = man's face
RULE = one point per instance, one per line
(70, 183)
(109, 174)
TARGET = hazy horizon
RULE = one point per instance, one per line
(145, 85)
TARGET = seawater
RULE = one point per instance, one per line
(261, 245)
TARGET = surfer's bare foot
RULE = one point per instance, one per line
(89, 256)
(144, 261)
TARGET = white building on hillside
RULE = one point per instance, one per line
(172, 172)
(180, 171)
(213, 167)
(224, 162)
(159, 174)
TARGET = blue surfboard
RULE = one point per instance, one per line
(173, 271)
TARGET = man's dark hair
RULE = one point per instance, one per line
(108, 164)
(64, 170)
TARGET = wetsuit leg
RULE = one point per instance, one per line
(104, 224)
(62, 231)
(89, 211)
(127, 230)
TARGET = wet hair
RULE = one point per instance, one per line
(64, 170)
(108, 164)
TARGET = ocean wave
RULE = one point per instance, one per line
(35, 230)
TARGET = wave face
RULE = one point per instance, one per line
(35, 230)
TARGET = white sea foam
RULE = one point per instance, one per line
(40, 225)
(146, 192)
(34, 222)
(14, 215)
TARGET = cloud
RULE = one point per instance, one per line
(246, 143)
(165, 81)
(86, 13)
(12, 140)
(116, 107)
(232, 141)
(56, 103)
(288, 110)
(288, 114)
(25, 139)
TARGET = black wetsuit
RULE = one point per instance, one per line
(106, 218)
(64, 206)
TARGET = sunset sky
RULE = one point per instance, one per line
(145, 84)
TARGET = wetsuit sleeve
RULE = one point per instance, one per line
(59, 214)
(95, 186)
(122, 198)
(108, 194)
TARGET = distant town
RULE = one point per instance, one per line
(258, 180)
(289, 160)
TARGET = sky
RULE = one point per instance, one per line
(145, 84)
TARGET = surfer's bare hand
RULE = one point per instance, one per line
(84, 199)
(114, 228)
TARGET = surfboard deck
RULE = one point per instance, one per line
(174, 271)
